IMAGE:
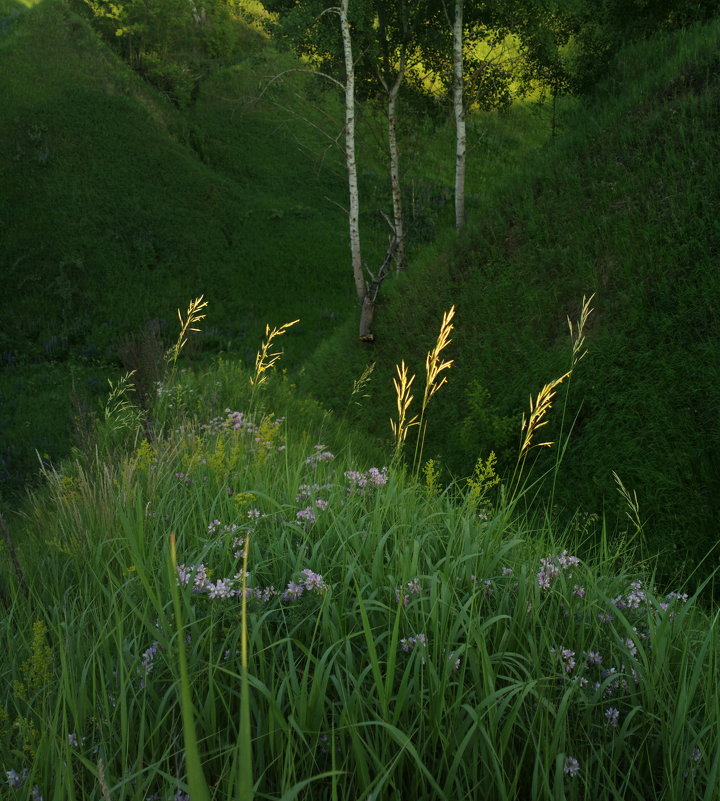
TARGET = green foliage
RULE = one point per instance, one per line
(393, 642)
(482, 480)
(611, 206)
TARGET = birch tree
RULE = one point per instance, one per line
(449, 43)
(309, 37)
(458, 94)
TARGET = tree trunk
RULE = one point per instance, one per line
(395, 166)
(459, 108)
(354, 214)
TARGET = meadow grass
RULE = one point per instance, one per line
(612, 206)
(342, 627)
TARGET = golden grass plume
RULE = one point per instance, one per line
(192, 318)
(264, 358)
(577, 332)
(433, 362)
(538, 410)
(403, 386)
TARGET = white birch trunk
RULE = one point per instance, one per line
(354, 214)
(459, 108)
(395, 166)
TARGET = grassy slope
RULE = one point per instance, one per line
(117, 208)
(624, 204)
(106, 183)
(440, 654)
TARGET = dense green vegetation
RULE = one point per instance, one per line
(401, 640)
(226, 584)
(119, 203)
(624, 205)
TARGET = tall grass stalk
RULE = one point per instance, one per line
(577, 354)
(404, 399)
(434, 366)
(244, 763)
(539, 408)
(196, 779)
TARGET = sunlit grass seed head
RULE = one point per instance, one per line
(192, 318)
(433, 362)
(265, 358)
(538, 411)
(577, 331)
(403, 385)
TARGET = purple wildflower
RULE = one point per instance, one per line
(293, 592)
(306, 515)
(571, 766)
(312, 581)
(15, 779)
(147, 665)
(411, 588)
(408, 643)
(374, 477)
(612, 716)
(201, 583)
(320, 455)
(568, 658)
(221, 589)
(183, 575)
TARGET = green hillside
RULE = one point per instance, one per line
(124, 198)
(121, 199)
(624, 204)
(226, 583)
(117, 207)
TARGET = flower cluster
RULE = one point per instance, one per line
(411, 588)
(633, 599)
(552, 566)
(309, 582)
(320, 455)
(408, 643)
(571, 766)
(306, 515)
(233, 421)
(15, 779)
(373, 477)
(567, 657)
(680, 597)
(310, 491)
(226, 588)
(146, 662)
